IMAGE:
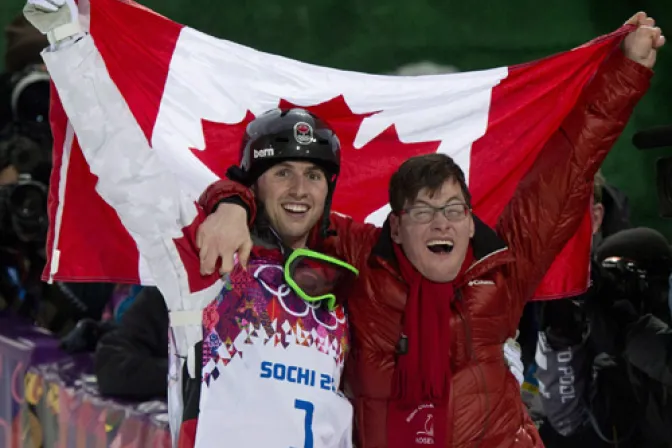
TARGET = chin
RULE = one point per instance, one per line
(441, 278)
(440, 275)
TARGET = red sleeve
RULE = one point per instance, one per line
(353, 242)
(225, 189)
(551, 200)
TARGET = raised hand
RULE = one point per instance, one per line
(642, 44)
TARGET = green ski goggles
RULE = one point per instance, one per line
(316, 277)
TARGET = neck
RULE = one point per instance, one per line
(295, 243)
(291, 242)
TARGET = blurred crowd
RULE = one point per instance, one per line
(597, 367)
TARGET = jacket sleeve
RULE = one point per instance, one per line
(648, 348)
(353, 241)
(551, 200)
(132, 360)
(226, 190)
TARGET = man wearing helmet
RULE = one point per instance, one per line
(290, 160)
(431, 372)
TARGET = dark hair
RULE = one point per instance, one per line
(429, 171)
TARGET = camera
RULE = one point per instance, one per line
(25, 156)
(23, 212)
(636, 265)
(27, 148)
(29, 94)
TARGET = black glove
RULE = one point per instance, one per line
(84, 337)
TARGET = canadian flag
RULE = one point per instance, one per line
(147, 113)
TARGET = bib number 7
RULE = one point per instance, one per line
(309, 409)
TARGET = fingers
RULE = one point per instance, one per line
(227, 265)
(244, 253)
(654, 33)
(636, 19)
(208, 261)
(46, 5)
(643, 21)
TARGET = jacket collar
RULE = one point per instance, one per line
(490, 250)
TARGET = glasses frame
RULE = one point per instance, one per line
(442, 210)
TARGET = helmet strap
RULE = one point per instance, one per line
(325, 232)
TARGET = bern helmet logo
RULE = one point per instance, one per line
(303, 133)
(268, 152)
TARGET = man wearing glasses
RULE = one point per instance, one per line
(439, 291)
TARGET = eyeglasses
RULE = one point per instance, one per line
(424, 214)
(314, 276)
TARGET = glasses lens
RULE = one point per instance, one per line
(452, 212)
(422, 214)
(455, 212)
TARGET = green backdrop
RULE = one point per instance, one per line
(378, 36)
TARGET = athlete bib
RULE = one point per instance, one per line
(272, 367)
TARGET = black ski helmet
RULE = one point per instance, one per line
(280, 135)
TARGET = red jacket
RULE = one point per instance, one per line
(546, 210)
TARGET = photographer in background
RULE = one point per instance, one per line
(24, 106)
(603, 356)
(25, 168)
(131, 360)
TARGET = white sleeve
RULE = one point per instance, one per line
(131, 178)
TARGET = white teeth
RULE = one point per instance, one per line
(437, 242)
(296, 208)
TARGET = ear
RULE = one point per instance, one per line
(472, 226)
(395, 228)
(598, 217)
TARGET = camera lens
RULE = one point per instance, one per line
(28, 202)
(32, 104)
(28, 211)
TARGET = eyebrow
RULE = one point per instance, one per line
(451, 199)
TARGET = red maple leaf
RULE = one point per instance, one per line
(222, 144)
(365, 172)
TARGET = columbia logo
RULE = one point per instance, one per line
(481, 282)
(268, 152)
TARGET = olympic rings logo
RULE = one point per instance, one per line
(284, 291)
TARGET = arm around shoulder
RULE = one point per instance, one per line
(353, 241)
